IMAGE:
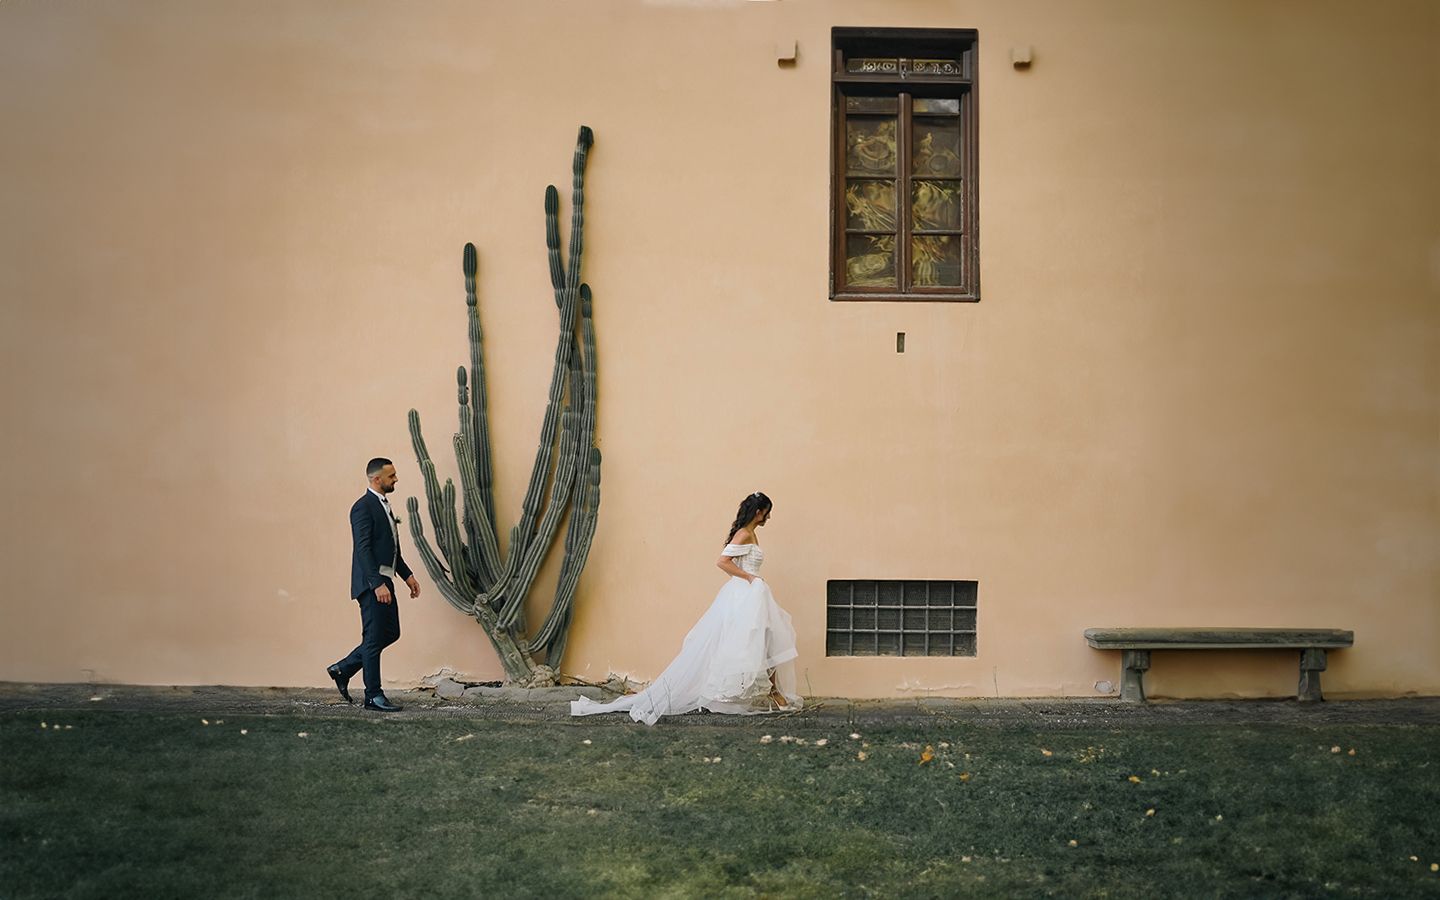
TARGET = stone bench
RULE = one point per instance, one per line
(1136, 644)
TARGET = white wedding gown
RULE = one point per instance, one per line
(724, 665)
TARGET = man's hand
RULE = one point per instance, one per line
(414, 587)
(382, 594)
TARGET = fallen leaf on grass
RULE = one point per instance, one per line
(964, 776)
(926, 755)
(1044, 752)
(207, 722)
(1074, 843)
(1149, 813)
(861, 755)
(854, 736)
(96, 698)
(466, 737)
(765, 739)
(1134, 779)
(1435, 867)
(1334, 749)
(586, 742)
(244, 731)
(302, 734)
(1352, 752)
(822, 742)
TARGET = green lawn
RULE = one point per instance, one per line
(115, 804)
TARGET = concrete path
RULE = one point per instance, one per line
(553, 705)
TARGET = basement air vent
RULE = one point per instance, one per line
(900, 618)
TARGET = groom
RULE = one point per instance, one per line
(374, 565)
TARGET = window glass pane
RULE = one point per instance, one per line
(870, 65)
(870, 146)
(869, 262)
(935, 260)
(873, 104)
(914, 644)
(936, 147)
(950, 106)
(948, 67)
(870, 205)
(935, 205)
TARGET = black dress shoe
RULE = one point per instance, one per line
(341, 682)
(379, 703)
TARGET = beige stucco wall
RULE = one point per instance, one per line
(1202, 387)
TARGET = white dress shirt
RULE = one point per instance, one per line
(389, 571)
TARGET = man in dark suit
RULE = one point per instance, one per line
(374, 565)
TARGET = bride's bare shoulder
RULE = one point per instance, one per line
(743, 536)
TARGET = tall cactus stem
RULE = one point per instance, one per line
(479, 404)
(552, 240)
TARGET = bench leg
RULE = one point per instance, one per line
(1133, 664)
(1312, 663)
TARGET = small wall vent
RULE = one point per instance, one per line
(900, 618)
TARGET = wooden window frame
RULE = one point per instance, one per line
(906, 43)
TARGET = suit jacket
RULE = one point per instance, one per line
(375, 545)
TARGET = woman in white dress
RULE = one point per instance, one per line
(739, 657)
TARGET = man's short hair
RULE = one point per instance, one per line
(376, 466)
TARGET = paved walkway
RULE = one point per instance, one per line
(553, 705)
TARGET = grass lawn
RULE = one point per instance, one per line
(151, 804)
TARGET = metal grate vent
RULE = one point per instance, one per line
(900, 618)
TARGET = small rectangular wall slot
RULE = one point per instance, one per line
(899, 342)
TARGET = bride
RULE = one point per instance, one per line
(737, 658)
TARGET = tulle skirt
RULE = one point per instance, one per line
(724, 665)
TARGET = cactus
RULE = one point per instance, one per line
(465, 560)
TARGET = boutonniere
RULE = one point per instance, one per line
(396, 518)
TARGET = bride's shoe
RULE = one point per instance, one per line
(777, 702)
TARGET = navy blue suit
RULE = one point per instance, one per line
(375, 545)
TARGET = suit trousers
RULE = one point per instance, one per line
(379, 628)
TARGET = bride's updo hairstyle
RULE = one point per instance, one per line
(748, 508)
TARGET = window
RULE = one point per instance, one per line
(903, 165)
(900, 618)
